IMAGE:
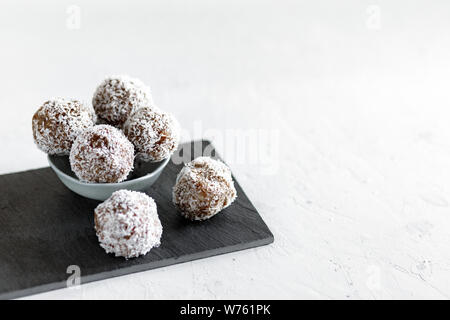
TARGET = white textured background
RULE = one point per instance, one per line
(357, 194)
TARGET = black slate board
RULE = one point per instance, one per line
(44, 228)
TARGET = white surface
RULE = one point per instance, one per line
(358, 200)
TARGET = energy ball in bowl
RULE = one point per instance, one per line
(155, 134)
(118, 96)
(203, 188)
(58, 122)
(102, 154)
(127, 224)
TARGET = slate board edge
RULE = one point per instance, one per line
(137, 268)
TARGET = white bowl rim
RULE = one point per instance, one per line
(122, 184)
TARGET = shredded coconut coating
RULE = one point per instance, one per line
(102, 154)
(203, 188)
(118, 96)
(127, 224)
(155, 134)
(58, 122)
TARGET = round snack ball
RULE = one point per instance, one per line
(203, 188)
(58, 122)
(118, 96)
(127, 224)
(155, 134)
(102, 154)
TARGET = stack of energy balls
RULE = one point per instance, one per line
(104, 140)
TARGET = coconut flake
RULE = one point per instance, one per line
(102, 154)
(118, 96)
(155, 134)
(127, 224)
(203, 188)
(58, 122)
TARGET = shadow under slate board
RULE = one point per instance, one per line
(45, 228)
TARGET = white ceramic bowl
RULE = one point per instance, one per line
(142, 177)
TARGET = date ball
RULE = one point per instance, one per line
(155, 134)
(58, 122)
(102, 154)
(203, 188)
(117, 97)
(127, 224)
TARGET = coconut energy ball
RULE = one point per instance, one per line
(127, 224)
(203, 188)
(58, 122)
(155, 134)
(118, 96)
(102, 154)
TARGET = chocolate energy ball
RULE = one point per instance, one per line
(118, 96)
(203, 188)
(127, 224)
(102, 154)
(58, 122)
(155, 134)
